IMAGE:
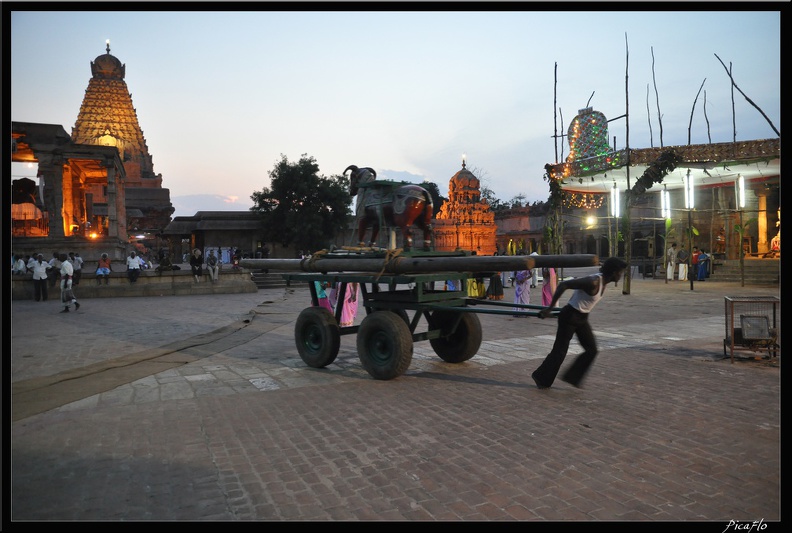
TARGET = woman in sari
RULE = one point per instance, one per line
(549, 284)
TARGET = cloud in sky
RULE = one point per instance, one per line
(221, 95)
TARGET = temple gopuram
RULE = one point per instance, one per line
(465, 221)
(108, 118)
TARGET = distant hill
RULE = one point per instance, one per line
(188, 205)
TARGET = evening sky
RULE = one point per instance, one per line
(220, 95)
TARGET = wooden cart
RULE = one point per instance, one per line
(394, 306)
(398, 289)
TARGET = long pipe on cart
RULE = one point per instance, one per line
(415, 265)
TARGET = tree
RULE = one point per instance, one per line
(437, 199)
(487, 194)
(740, 229)
(302, 207)
(554, 227)
(517, 201)
(540, 207)
(670, 233)
(493, 201)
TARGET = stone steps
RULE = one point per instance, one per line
(757, 271)
(268, 280)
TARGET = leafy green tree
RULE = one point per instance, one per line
(437, 199)
(302, 207)
(489, 195)
(670, 233)
(555, 224)
(740, 229)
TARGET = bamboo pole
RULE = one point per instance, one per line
(628, 198)
(734, 86)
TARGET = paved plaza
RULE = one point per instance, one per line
(199, 408)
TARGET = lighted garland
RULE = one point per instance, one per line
(561, 198)
(583, 200)
(588, 166)
(588, 135)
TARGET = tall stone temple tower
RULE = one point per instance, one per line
(465, 221)
(108, 118)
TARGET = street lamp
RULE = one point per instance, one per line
(739, 195)
(689, 205)
(665, 203)
(740, 191)
(665, 213)
(615, 206)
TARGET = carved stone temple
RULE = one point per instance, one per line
(465, 221)
(95, 187)
(108, 118)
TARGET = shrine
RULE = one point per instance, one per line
(465, 221)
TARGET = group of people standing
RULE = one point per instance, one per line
(66, 268)
(699, 263)
(522, 281)
(20, 265)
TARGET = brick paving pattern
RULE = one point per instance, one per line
(238, 428)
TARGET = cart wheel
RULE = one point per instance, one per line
(403, 315)
(461, 344)
(384, 345)
(317, 336)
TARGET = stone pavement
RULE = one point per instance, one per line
(199, 408)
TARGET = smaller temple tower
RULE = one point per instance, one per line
(465, 221)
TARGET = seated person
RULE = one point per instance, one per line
(165, 264)
(103, 270)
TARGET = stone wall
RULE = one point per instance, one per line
(150, 283)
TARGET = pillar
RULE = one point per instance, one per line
(112, 207)
(116, 209)
(51, 169)
(79, 203)
(762, 245)
(67, 207)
